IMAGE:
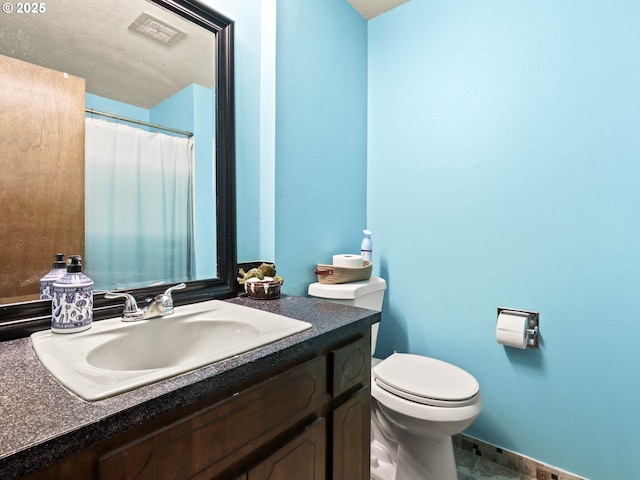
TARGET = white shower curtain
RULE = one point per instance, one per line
(139, 206)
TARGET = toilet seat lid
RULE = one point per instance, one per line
(426, 380)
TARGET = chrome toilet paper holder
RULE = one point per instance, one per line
(533, 324)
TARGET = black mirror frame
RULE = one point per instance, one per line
(21, 319)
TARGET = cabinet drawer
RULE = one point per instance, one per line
(351, 366)
(212, 440)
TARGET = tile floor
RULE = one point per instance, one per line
(478, 460)
(474, 467)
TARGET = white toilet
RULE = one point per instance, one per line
(418, 403)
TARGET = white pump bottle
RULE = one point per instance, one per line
(366, 247)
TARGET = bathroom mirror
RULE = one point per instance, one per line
(168, 66)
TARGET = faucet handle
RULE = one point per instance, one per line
(179, 286)
(166, 300)
(131, 311)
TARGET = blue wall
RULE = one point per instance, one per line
(301, 132)
(107, 105)
(503, 171)
(321, 136)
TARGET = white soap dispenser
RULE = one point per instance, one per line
(46, 283)
(72, 304)
(366, 247)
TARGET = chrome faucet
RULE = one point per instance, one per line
(159, 306)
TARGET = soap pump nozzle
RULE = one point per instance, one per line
(59, 263)
(75, 264)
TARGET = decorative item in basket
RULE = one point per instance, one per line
(330, 274)
(261, 282)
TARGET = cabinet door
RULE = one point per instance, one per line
(352, 438)
(303, 458)
(351, 366)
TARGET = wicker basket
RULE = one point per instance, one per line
(330, 274)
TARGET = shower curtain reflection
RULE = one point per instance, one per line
(139, 206)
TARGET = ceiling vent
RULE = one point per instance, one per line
(156, 29)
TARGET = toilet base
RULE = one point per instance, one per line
(384, 449)
(421, 458)
(426, 458)
(382, 468)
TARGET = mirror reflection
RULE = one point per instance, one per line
(109, 134)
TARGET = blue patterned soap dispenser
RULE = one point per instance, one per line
(46, 282)
(72, 304)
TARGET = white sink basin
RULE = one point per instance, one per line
(114, 356)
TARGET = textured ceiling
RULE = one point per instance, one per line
(92, 39)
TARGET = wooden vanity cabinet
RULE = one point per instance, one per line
(304, 457)
(310, 421)
(351, 413)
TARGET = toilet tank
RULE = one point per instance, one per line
(364, 294)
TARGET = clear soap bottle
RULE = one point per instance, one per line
(72, 304)
(59, 270)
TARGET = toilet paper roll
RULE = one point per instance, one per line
(512, 339)
(512, 330)
(347, 260)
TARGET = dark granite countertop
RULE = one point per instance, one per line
(40, 421)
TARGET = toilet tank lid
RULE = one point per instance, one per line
(346, 291)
